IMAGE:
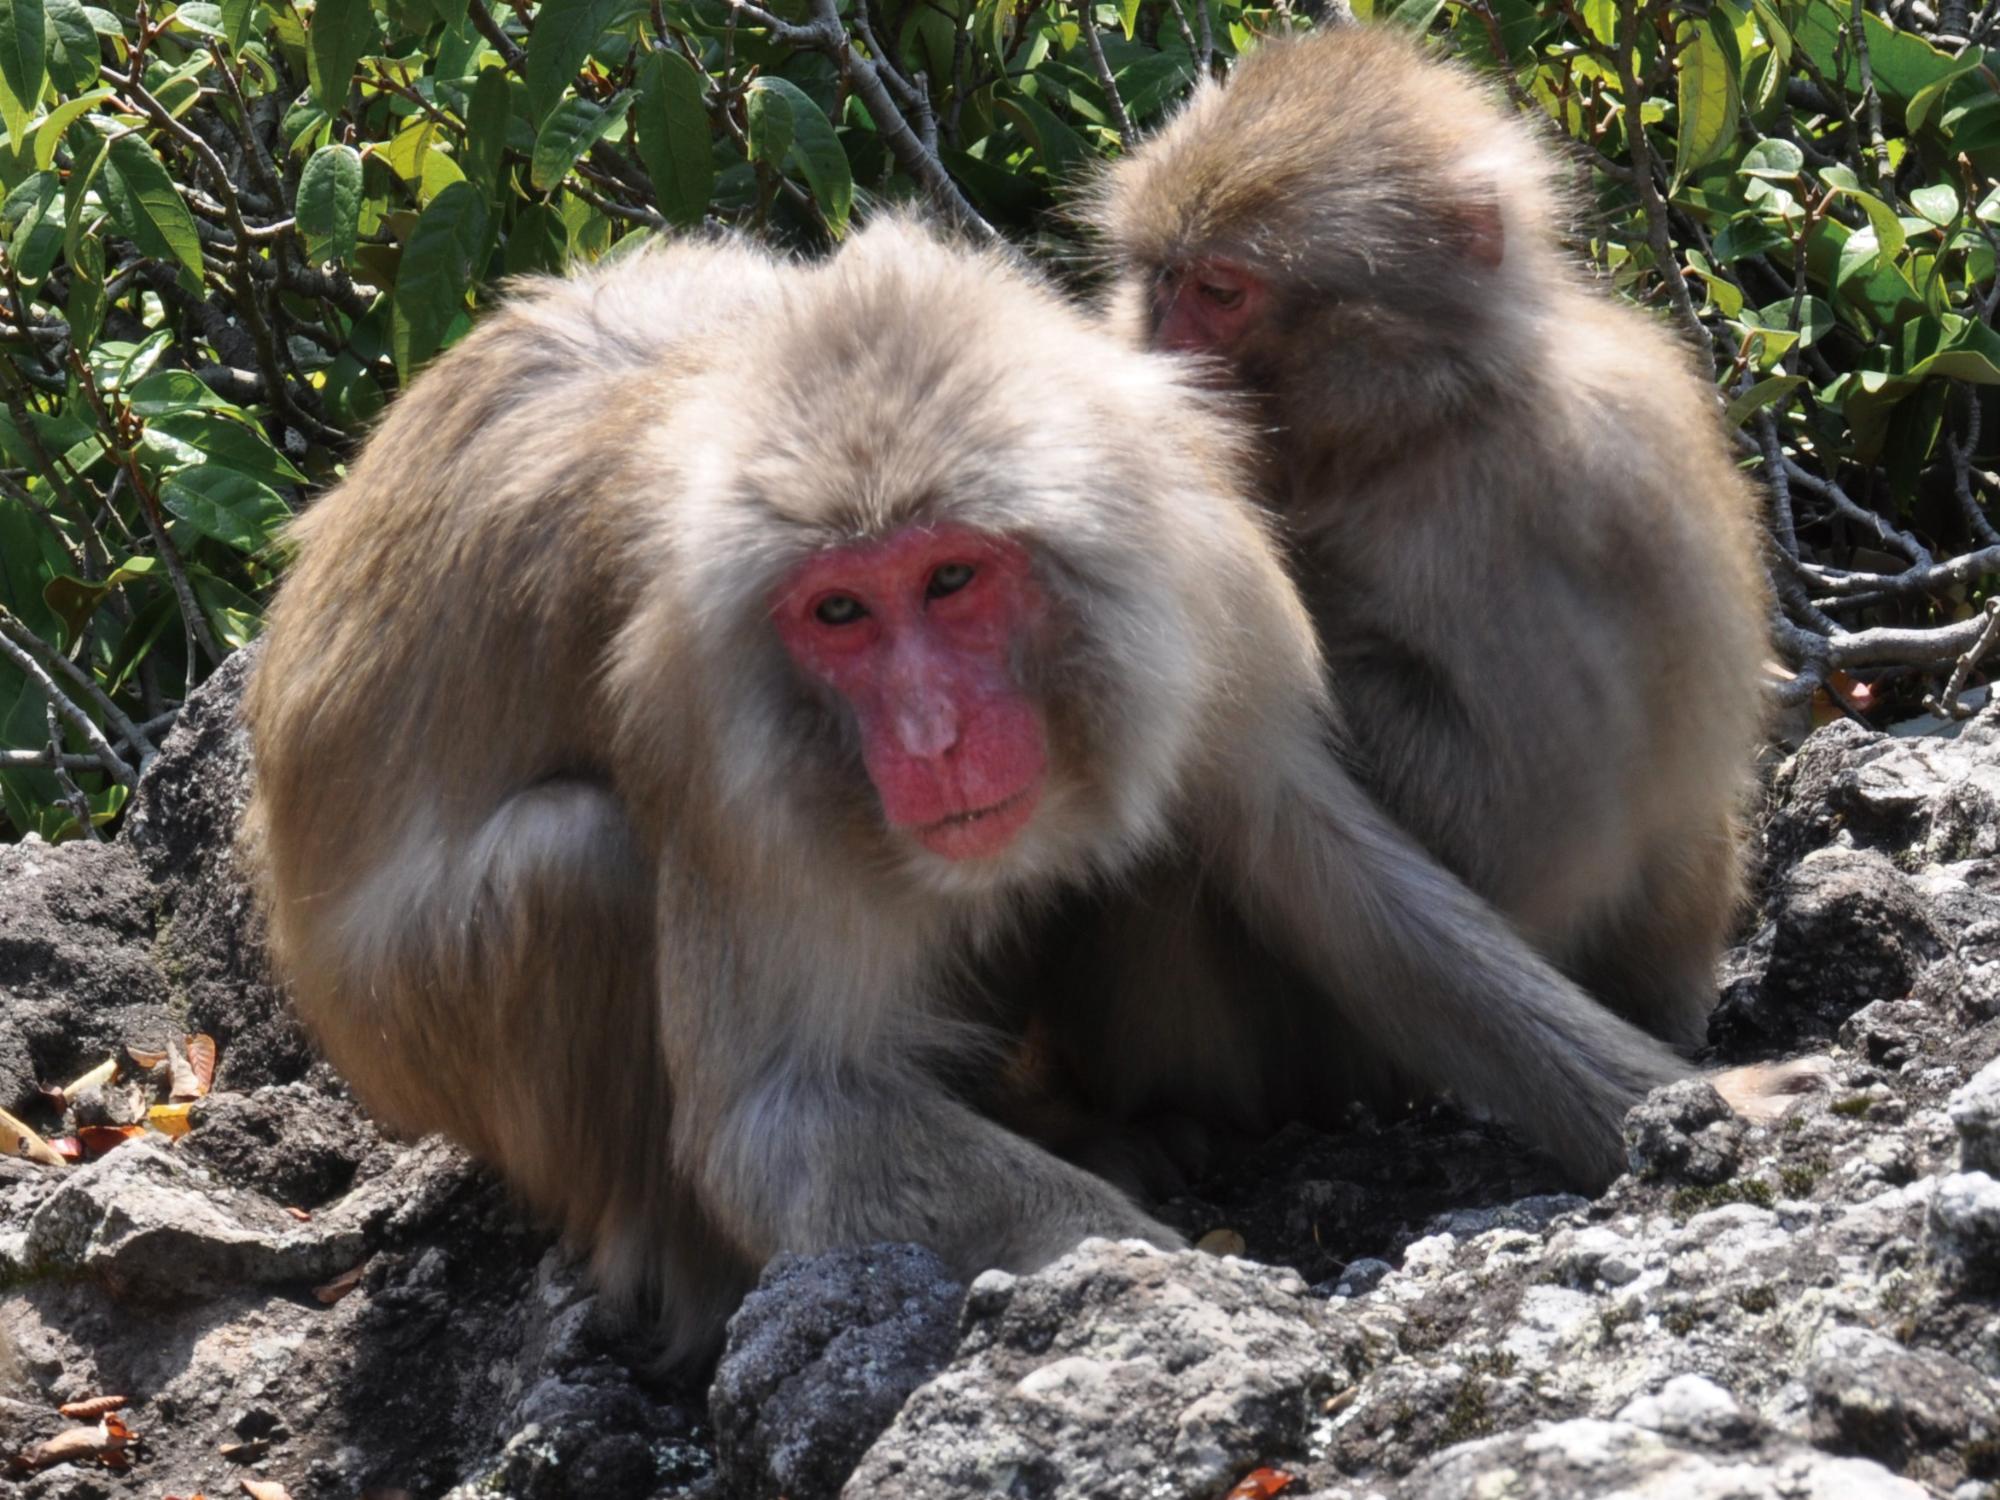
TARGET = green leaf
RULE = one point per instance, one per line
(144, 201)
(1774, 160)
(1861, 252)
(537, 240)
(72, 46)
(1937, 203)
(770, 125)
(49, 133)
(86, 292)
(232, 508)
(236, 16)
(1759, 396)
(232, 614)
(565, 31)
(33, 212)
(814, 148)
(341, 34)
(1062, 151)
(1417, 15)
(1708, 98)
(165, 392)
(1925, 99)
(671, 122)
(23, 62)
(570, 130)
(202, 17)
(184, 439)
(486, 117)
(1128, 18)
(1889, 231)
(437, 272)
(329, 204)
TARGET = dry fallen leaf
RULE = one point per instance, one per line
(245, 1452)
(68, 1147)
(1221, 1242)
(96, 1406)
(98, 1139)
(186, 1083)
(299, 1213)
(170, 1119)
(341, 1285)
(16, 1139)
(201, 1057)
(145, 1057)
(104, 1072)
(264, 1489)
(101, 1442)
(1261, 1484)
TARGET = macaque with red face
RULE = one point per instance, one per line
(713, 661)
(1531, 562)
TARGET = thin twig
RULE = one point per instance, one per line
(106, 758)
(1652, 206)
(1946, 705)
(1094, 44)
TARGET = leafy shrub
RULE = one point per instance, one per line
(232, 228)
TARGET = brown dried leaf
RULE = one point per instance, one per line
(299, 1213)
(170, 1119)
(1261, 1484)
(341, 1285)
(1221, 1242)
(264, 1489)
(245, 1452)
(186, 1084)
(144, 1057)
(201, 1057)
(78, 1443)
(16, 1139)
(104, 1072)
(98, 1139)
(96, 1406)
(68, 1147)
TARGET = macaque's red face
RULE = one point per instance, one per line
(1206, 306)
(918, 633)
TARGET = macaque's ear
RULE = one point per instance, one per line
(1478, 228)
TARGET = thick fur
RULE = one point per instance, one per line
(563, 856)
(1531, 564)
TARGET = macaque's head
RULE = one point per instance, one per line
(1345, 222)
(946, 543)
(922, 634)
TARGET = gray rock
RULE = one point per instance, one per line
(1965, 1222)
(1975, 1112)
(1120, 1371)
(1683, 1132)
(148, 1223)
(1584, 1457)
(1873, 1397)
(820, 1359)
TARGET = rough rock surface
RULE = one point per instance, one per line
(1807, 1309)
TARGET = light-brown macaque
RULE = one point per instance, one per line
(711, 661)
(1531, 564)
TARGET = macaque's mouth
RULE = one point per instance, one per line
(981, 832)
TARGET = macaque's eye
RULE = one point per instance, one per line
(839, 609)
(1222, 296)
(948, 579)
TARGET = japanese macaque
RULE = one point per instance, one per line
(712, 660)
(1531, 564)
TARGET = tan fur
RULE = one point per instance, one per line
(565, 858)
(1530, 561)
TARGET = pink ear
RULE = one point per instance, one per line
(1482, 231)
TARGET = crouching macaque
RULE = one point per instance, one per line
(712, 660)
(1530, 561)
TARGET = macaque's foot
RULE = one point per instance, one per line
(1763, 1092)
